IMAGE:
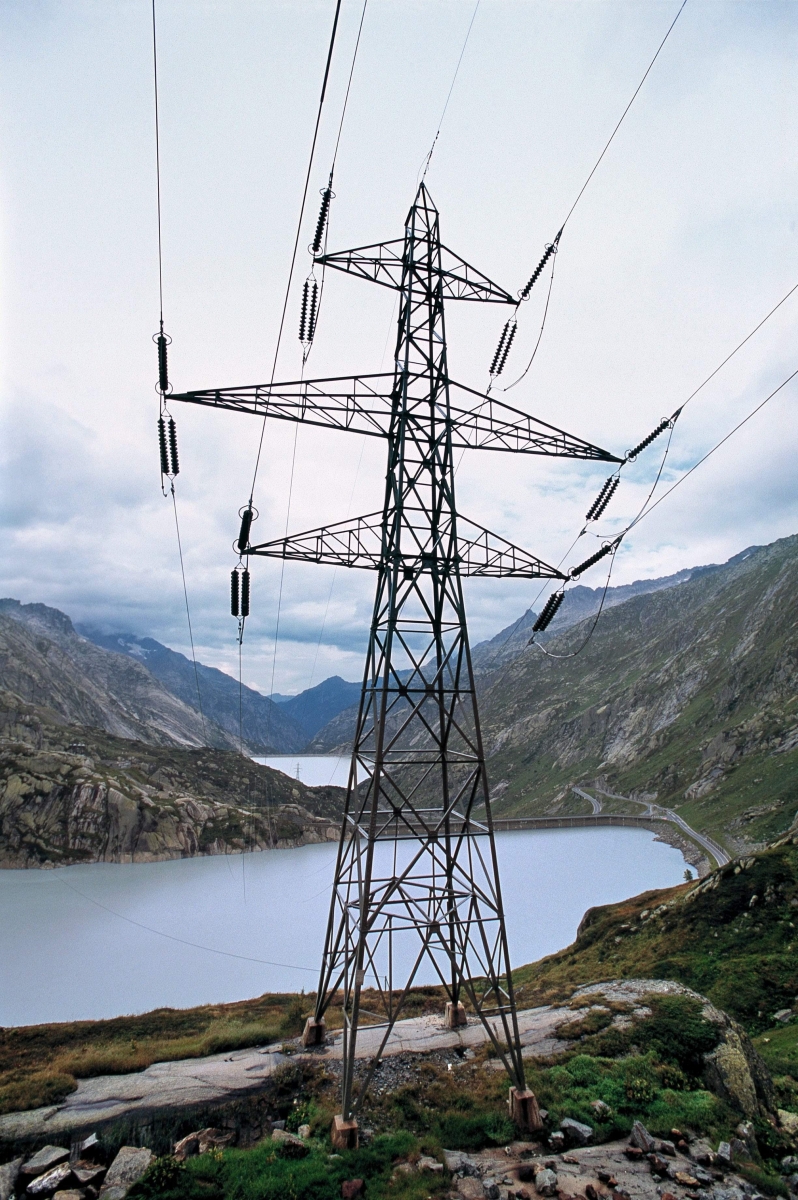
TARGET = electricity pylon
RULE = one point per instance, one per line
(417, 776)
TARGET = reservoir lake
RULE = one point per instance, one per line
(104, 939)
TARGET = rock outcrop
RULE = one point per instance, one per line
(79, 795)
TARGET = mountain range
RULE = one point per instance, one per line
(686, 692)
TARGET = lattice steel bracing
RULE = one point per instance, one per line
(418, 774)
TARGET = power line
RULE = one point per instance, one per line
(428, 159)
(709, 453)
(157, 159)
(169, 456)
(183, 941)
(298, 231)
(583, 189)
(644, 512)
(188, 613)
(623, 115)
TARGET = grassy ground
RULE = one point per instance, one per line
(40, 1064)
(269, 1173)
(462, 1105)
(739, 951)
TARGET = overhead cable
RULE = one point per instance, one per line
(428, 159)
(552, 249)
(281, 326)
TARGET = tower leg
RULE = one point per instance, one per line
(315, 1032)
(455, 1015)
(344, 1134)
(524, 1110)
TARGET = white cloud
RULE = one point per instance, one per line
(686, 236)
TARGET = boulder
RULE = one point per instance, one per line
(9, 1173)
(601, 1109)
(788, 1122)
(723, 1154)
(50, 1181)
(490, 1189)
(641, 1138)
(557, 1141)
(304, 1132)
(459, 1163)
(546, 1182)
(214, 1139)
(576, 1133)
(87, 1172)
(659, 1166)
(44, 1160)
(727, 1072)
(666, 1147)
(90, 1148)
(702, 1152)
(187, 1147)
(127, 1168)
(283, 1136)
(70, 1194)
(427, 1163)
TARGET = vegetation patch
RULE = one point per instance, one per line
(733, 938)
(265, 1173)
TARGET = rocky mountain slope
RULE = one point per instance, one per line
(316, 706)
(267, 727)
(73, 794)
(43, 661)
(688, 695)
(580, 602)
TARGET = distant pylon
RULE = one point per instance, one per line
(417, 779)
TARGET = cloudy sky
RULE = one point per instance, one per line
(685, 238)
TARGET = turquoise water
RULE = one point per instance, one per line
(105, 939)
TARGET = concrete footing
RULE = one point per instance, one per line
(455, 1015)
(524, 1110)
(314, 1033)
(343, 1134)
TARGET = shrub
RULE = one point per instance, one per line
(640, 1091)
(475, 1131)
(19, 1090)
(677, 1032)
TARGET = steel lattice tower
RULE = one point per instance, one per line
(417, 776)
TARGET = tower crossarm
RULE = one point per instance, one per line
(363, 404)
(489, 555)
(358, 543)
(357, 403)
(382, 263)
(493, 425)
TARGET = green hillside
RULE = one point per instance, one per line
(688, 695)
